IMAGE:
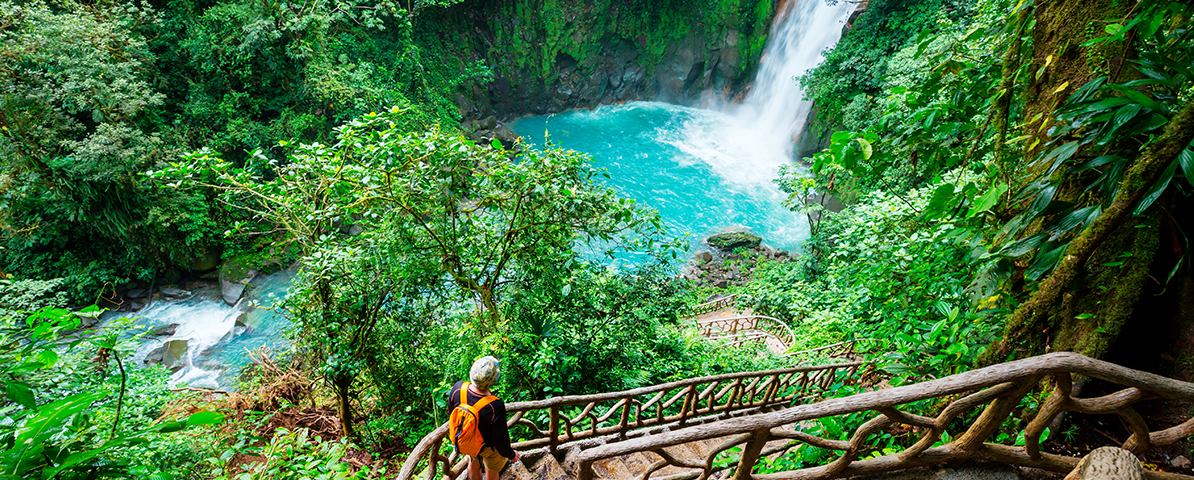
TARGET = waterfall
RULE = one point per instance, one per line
(747, 142)
(775, 107)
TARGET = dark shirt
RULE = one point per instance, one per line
(491, 420)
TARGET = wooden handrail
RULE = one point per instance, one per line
(1000, 387)
(615, 415)
(713, 305)
(771, 326)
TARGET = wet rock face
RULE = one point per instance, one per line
(583, 54)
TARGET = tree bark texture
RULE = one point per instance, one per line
(1030, 318)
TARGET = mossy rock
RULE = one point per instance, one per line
(730, 240)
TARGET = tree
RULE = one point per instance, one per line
(436, 215)
(75, 87)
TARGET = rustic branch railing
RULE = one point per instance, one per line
(712, 306)
(846, 349)
(586, 420)
(731, 329)
(999, 387)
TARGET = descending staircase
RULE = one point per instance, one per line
(720, 426)
(721, 320)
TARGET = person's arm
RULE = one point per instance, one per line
(498, 432)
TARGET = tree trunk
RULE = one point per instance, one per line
(343, 385)
(1029, 320)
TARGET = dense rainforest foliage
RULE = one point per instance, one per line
(1014, 174)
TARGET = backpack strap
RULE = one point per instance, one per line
(483, 402)
(463, 394)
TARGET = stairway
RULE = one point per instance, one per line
(618, 434)
(542, 466)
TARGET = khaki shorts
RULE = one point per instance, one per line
(493, 461)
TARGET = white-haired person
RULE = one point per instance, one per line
(491, 419)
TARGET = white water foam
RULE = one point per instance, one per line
(747, 143)
(202, 323)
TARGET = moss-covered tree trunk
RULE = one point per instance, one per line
(1035, 323)
(1059, 64)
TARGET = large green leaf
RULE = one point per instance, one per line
(32, 438)
(1044, 262)
(988, 200)
(1158, 188)
(1186, 158)
(20, 393)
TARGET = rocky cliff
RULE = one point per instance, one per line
(554, 55)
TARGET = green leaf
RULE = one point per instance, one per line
(26, 367)
(1158, 188)
(1044, 262)
(171, 427)
(941, 197)
(1084, 316)
(867, 150)
(1135, 96)
(1186, 158)
(205, 418)
(988, 200)
(31, 439)
(21, 394)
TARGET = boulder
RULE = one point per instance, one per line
(171, 354)
(234, 276)
(209, 259)
(175, 355)
(231, 291)
(730, 240)
(175, 292)
(705, 257)
(506, 136)
(164, 330)
(136, 293)
(1108, 463)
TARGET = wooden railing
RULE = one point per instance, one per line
(999, 387)
(581, 421)
(712, 306)
(732, 328)
(846, 349)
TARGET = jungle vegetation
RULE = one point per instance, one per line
(1016, 177)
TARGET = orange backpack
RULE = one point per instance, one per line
(463, 423)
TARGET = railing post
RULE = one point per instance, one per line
(750, 455)
(625, 418)
(553, 429)
(433, 459)
(689, 404)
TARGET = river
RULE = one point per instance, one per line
(704, 169)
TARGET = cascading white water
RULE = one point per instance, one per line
(775, 107)
(749, 147)
(708, 170)
(213, 336)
